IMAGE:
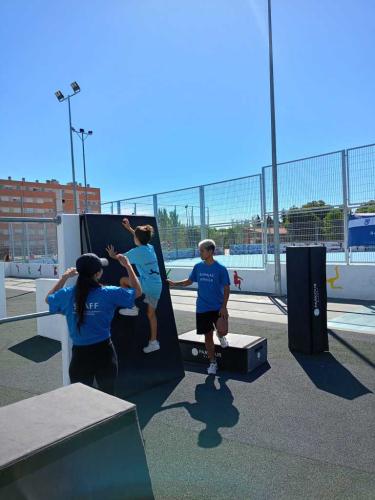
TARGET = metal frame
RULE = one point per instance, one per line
(345, 202)
(25, 240)
(180, 189)
(21, 317)
(53, 220)
(350, 202)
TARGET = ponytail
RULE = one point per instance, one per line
(83, 286)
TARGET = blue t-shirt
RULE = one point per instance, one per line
(101, 304)
(211, 280)
(144, 257)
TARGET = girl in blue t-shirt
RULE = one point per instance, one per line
(89, 308)
(144, 257)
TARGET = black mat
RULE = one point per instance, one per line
(137, 371)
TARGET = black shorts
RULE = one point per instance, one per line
(94, 362)
(206, 322)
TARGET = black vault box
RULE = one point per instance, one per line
(244, 354)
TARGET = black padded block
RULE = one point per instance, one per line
(307, 299)
(72, 443)
(137, 371)
(244, 354)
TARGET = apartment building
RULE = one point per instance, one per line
(22, 198)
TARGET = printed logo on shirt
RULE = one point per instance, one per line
(208, 277)
(91, 308)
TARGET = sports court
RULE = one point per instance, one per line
(297, 427)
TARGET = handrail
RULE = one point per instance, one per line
(21, 317)
(55, 220)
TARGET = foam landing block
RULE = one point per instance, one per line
(244, 354)
(72, 443)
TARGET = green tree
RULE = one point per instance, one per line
(305, 223)
(366, 208)
(333, 225)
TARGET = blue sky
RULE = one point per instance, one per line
(176, 92)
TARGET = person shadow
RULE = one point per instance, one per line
(213, 407)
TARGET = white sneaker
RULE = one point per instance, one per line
(223, 341)
(151, 347)
(129, 312)
(212, 369)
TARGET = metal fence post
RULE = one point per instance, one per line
(45, 240)
(27, 242)
(11, 238)
(264, 217)
(155, 204)
(202, 213)
(118, 207)
(345, 202)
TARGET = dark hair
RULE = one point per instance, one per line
(144, 233)
(83, 286)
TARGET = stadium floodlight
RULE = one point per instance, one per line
(59, 95)
(76, 88)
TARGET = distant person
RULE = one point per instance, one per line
(7, 258)
(237, 280)
(213, 294)
(89, 308)
(144, 257)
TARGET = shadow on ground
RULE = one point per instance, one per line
(37, 349)
(213, 407)
(329, 375)
(213, 404)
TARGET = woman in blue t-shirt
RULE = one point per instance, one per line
(89, 308)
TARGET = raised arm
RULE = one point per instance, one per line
(133, 280)
(69, 273)
(112, 252)
(126, 224)
(179, 283)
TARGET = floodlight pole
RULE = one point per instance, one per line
(72, 158)
(276, 234)
(84, 172)
(83, 136)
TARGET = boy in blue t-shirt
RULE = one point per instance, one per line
(213, 294)
(144, 257)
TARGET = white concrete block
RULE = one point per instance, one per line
(68, 241)
(53, 327)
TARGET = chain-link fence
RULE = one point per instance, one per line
(28, 242)
(229, 212)
(316, 196)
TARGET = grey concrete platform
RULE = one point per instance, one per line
(73, 442)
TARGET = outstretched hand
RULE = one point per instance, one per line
(111, 251)
(224, 313)
(126, 224)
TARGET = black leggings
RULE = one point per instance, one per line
(95, 361)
